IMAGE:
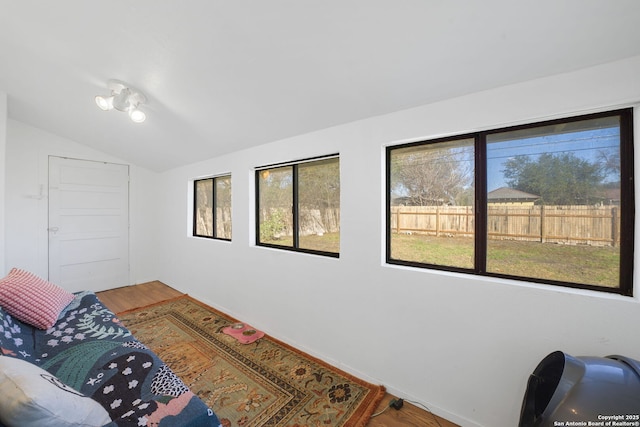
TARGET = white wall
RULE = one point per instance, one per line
(462, 345)
(27, 153)
(3, 147)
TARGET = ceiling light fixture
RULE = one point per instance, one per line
(123, 98)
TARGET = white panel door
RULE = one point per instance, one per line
(88, 224)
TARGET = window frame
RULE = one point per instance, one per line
(295, 247)
(627, 202)
(213, 207)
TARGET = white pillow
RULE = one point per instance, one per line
(30, 396)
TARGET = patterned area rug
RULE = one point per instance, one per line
(266, 383)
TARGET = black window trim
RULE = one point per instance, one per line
(296, 237)
(627, 202)
(213, 190)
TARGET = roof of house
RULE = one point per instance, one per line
(510, 194)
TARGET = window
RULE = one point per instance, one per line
(212, 207)
(550, 202)
(298, 206)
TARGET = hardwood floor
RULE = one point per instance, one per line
(130, 297)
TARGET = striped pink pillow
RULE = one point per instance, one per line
(31, 299)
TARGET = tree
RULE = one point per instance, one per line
(559, 179)
(223, 207)
(432, 176)
(275, 188)
(319, 196)
(275, 202)
(610, 161)
(319, 184)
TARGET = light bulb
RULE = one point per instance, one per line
(137, 116)
(123, 99)
(104, 103)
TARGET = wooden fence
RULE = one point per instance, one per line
(574, 225)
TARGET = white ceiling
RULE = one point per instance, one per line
(221, 76)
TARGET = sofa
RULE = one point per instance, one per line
(66, 360)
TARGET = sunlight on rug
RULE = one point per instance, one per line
(266, 383)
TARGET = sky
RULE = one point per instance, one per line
(584, 144)
(585, 139)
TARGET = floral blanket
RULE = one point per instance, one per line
(89, 350)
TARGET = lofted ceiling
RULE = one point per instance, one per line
(222, 76)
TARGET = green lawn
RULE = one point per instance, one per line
(593, 265)
(329, 242)
(569, 263)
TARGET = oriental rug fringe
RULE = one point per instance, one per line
(266, 383)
